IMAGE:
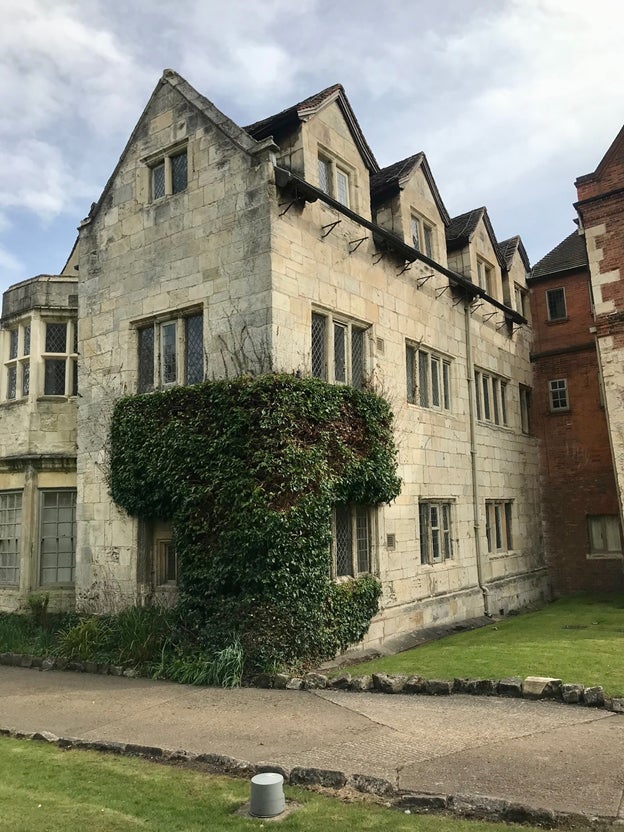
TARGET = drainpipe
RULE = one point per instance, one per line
(473, 460)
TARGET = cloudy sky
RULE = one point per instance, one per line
(509, 99)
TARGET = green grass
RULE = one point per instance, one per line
(573, 639)
(44, 788)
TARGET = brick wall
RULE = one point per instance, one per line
(577, 476)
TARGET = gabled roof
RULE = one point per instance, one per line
(390, 180)
(616, 148)
(169, 77)
(460, 230)
(287, 120)
(569, 255)
(509, 247)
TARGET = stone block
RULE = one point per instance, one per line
(389, 683)
(342, 682)
(371, 785)
(280, 680)
(615, 704)
(510, 686)
(314, 681)
(294, 684)
(263, 680)
(361, 683)
(414, 684)
(571, 693)
(594, 696)
(438, 687)
(317, 777)
(541, 687)
(420, 802)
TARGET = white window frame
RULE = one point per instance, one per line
(177, 320)
(17, 364)
(550, 292)
(558, 396)
(499, 526)
(601, 531)
(339, 178)
(435, 369)
(435, 530)
(422, 233)
(10, 536)
(357, 519)
(491, 398)
(69, 356)
(328, 366)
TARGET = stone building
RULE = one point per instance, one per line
(282, 246)
(577, 301)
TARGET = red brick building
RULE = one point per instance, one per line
(577, 307)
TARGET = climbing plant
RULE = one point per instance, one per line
(248, 470)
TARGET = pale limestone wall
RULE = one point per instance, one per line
(417, 199)
(325, 274)
(205, 247)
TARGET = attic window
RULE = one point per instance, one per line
(169, 175)
(334, 180)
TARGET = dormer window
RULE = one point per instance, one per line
(484, 276)
(334, 180)
(422, 235)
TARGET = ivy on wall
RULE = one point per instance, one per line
(248, 470)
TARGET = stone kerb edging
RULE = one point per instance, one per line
(479, 807)
(532, 687)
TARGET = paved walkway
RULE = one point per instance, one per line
(541, 754)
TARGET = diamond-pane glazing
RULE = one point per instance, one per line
(357, 358)
(146, 359)
(423, 379)
(324, 175)
(435, 381)
(12, 382)
(25, 378)
(319, 363)
(13, 335)
(169, 353)
(410, 360)
(56, 338)
(54, 377)
(363, 540)
(26, 350)
(194, 348)
(340, 352)
(158, 181)
(344, 558)
(179, 172)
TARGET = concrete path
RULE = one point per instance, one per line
(541, 754)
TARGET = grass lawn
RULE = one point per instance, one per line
(45, 789)
(574, 639)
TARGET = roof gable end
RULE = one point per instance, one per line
(390, 180)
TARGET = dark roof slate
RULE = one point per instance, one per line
(509, 247)
(569, 254)
(460, 229)
(393, 173)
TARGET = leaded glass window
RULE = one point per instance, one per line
(436, 543)
(351, 540)
(194, 349)
(179, 172)
(25, 378)
(146, 359)
(357, 357)
(340, 352)
(12, 382)
(26, 350)
(324, 175)
(54, 377)
(58, 537)
(10, 536)
(13, 338)
(56, 337)
(319, 362)
(158, 181)
(169, 353)
(342, 187)
(344, 541)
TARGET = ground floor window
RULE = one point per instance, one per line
(436, 541)
(10, 534)
(351, 540)
(498, 525)
(57, 550)
(604, 534)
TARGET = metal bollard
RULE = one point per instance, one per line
(267, 795)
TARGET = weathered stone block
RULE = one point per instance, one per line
(314, 681)
(510, 686)
(263, 680)
(280, 680)
(615, 704)
(294, 684)
(317, 777)
(594, 696)
(342, 682)
(371, 785)
(541, 687)
(438, 687)
(414, 684)
(416, 800)
(26, 661)
(572, 693)
(388, 683)
(361, 683)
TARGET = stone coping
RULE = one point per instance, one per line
(531, 687)
(339, 783)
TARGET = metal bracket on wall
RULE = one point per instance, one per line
(406, 267)
(356, 244)
(330, 226)
(420, 281)
(380, 256)
(475, 306)
(440, 292)
(489, 315)
(288, 205)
